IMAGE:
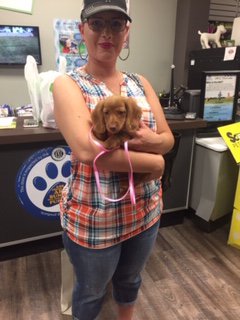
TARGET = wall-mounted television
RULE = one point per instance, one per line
(220, 92)
(17, 42)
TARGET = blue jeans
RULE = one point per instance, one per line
(95, 268)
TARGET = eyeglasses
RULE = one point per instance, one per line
(98, 24)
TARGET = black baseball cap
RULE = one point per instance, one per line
(90, 7)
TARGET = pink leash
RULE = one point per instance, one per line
(130, 174)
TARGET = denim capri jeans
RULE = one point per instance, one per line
(95, 268)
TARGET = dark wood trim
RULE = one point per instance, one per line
(29, 248)
(208, 226)
(172, 218)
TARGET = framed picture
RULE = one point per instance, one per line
(219, 96)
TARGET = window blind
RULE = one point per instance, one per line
(224, 10)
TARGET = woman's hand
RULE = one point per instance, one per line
(143, 140)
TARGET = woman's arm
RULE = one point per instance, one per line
(72, 117)
(74, 121)
(145, 139)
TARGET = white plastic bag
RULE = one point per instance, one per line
(46, 80)
(31, 76)
(40, 90)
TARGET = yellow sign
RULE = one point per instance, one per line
(231, 136)
(237, 194)
(234, 234)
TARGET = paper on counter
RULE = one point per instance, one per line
(7, 122)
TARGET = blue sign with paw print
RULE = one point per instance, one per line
(40, 181)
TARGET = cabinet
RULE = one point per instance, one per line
(20, 150)
(208, 60)
(176, 198)
(17, 225)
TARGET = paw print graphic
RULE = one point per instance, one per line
(54, 191)
(41, 179)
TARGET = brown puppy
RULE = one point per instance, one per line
(115, 119)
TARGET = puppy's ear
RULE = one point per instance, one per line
(98, 122)
(134, 113)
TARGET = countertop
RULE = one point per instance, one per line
(29, 135)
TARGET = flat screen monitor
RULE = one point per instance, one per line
(219, 96)
(17, 42)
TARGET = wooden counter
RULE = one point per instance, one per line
(28, 135)
(24, 153)
(187, 124)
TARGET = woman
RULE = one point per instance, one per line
(108, 241)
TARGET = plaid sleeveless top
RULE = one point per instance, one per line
(89, 219)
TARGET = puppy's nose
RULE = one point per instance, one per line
(113, 128)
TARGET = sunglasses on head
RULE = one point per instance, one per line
(98, 24)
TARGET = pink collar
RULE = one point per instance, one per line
(130, 174)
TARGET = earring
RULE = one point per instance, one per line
(127, 55)
(83, 50)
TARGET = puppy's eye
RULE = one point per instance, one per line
(121, 113)
(106, 112)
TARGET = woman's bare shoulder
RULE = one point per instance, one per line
(63, 83)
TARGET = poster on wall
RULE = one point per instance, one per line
(24, 6)
(68, 43)
(40, 180)
(219, 96)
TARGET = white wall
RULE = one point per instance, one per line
(151, 41)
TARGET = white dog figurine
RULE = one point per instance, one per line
(205, 37)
